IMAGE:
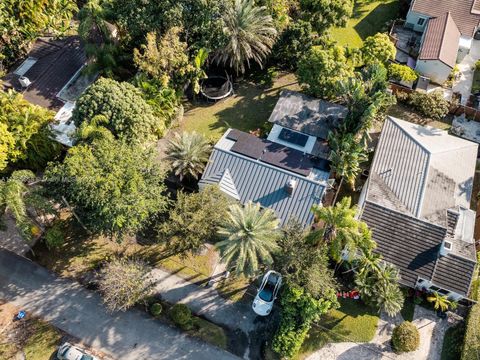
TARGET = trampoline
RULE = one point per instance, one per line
(216, 87)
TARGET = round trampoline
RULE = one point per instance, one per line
(216, 87)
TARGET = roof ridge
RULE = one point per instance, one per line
(394, 120)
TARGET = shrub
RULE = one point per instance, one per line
(471, 344)
(432, 105)
(477, 65)
(402, 73)
(182, 316)
(156, 309)
(54, 237)
(405, 337)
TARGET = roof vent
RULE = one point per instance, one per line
(446, 248)
(24, 81)
(290, 187)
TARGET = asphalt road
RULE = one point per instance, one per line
(79, 312)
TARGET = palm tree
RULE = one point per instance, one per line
(346, 156)
(440, 302)
(249, 238)
(189, 154)
(250, 32)
(340, 228)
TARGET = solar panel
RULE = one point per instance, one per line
(293, 137)
(249, 145)
(287, 158)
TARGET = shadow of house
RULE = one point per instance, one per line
(376, 19)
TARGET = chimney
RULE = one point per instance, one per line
(290, 187)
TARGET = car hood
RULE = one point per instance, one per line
(261, 307)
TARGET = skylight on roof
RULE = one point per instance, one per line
(25, 66)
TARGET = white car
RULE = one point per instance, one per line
(267, 293)
(68, 351)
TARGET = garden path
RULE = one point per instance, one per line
(431, 328)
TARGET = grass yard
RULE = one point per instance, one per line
(248, 109)
(353, 321)
(210, 332)
(235, 289)
(369, 17)
(43, 342)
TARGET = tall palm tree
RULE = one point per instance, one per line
(250, 34)
(346, 156)
(249, 238)
(340, 228)
(189, 154)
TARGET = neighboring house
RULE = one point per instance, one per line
(287, 172)
(417, 204)
(442, 34)
(51, 77)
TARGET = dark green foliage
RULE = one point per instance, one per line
(127, 114)
(299, 310)
(182, 316)
(432, 105)
(453, 342)
(156, 309)
(323, 14)
(471, 343)
(405, 338)
(293, 44)
(115, 186)
(194, 220)
(54, 237)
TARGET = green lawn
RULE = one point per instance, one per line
(248, 109)
(476, 81)
(43, 343)
(210, 332)
(353, 321)
(369, 17)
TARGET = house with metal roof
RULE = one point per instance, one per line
(285, 179)
(51, 77)
(446, 30)
(417, 204)
(304, 123)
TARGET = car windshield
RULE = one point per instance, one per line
(86, 357)
(267, 293)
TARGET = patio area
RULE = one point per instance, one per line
(466, 68)
(407, 43)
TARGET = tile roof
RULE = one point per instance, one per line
(464, 12)
(413, 245)
(57, 62)
(248, 178)
(441, 40)
(422, 171)
(307, 115)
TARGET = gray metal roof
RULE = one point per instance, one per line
(307, 115)
(260, 182)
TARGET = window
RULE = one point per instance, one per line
(421, 21)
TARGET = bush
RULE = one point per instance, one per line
(54, 237)
(156, 309)
(471, 344)
(402, 73)
(477, 65)
(405, 338)
(432, 105)
(182, 316)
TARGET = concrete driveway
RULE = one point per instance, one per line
(65, 304)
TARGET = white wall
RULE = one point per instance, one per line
(436, 70)
(412, 21)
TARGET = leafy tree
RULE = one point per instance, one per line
(299, 311)
(293, 43)
(400, 72)
(194, 219)
(116, 187)
(250, 35)
(324, 14)
(128, 115)
(302, 264)
(432, 105)
(189, 154)
(340, 228)
(249, 238)
(378, 48)
(279, 10)
(25, 135)
(123, 283)
(346, 156)
(22, 21)
(165, 58)
(320, 71)
(405, 337)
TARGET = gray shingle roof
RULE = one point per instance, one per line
(307, 115)
(454, 273)
(255, 180)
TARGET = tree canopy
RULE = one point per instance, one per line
(116, 187)
(127, 114)
(324, 14)
(378, 48)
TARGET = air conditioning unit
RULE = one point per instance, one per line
(24, 81)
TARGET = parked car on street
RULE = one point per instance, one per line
(68, 351)
(267, 293)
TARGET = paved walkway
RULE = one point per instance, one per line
(64, 303)
(466, 67)
(431, 328)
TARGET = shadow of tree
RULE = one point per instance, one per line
(376, 19)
